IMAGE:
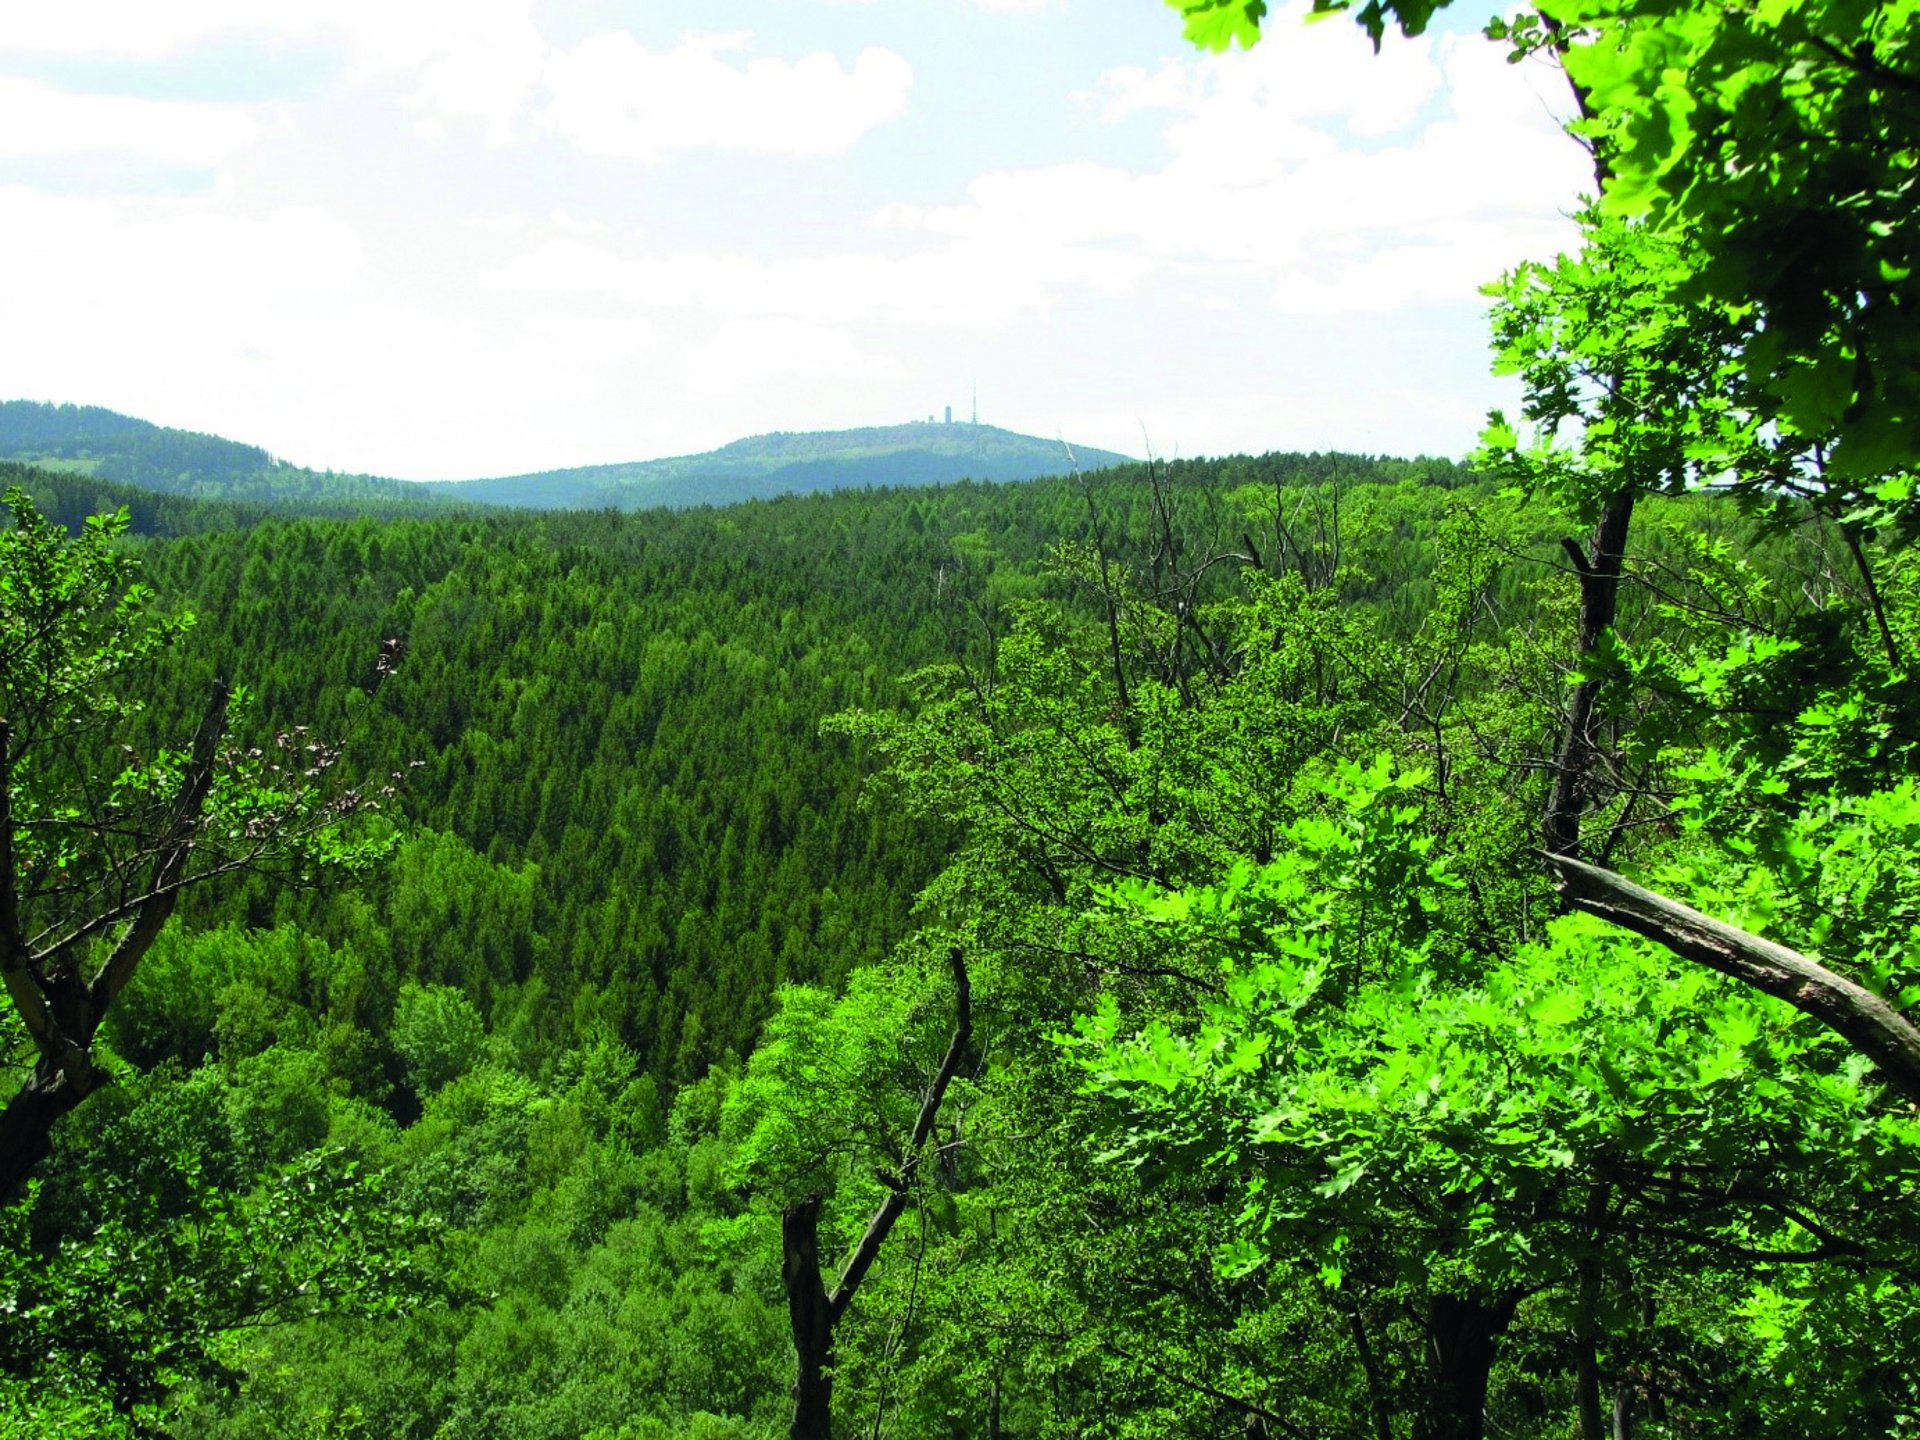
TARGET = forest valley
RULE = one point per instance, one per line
(1297, 946)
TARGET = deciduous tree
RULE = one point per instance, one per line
(99, 836)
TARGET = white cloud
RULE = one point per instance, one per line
(201, 284)
(1301, 75)
(611, 96)
(460, 323)
(487, 72)
(567, 223)
(37, 121)
(283, 329)
(1301, 176)
(121, 27)
(382, 37)
(745, 352)
(965, 285)
(1350, 182)
(487, 60)
(187, 311)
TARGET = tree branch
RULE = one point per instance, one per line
(176, 850)
(1856, 1014)
(864, 1254)
(1200, 1387)
(22, 988)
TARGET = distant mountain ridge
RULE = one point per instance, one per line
(101, 443)
(795, 462)
(90, 440)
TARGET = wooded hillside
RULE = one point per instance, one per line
(631, 759)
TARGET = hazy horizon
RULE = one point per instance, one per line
(490, 239)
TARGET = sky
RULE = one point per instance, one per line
(451, 238)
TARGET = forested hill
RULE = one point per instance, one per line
(693, 811)
(619, 714)
(88, 440)
(621, 829)
(69, 496)
(929, 453)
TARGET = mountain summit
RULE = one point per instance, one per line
(789, 463)
(116, 447)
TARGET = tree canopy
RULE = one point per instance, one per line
(1779, 142)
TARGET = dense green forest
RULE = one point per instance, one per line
(514, 1052)
(1303, 946)
(92, 441)
(618, 828)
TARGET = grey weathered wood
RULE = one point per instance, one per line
(1850, 1010)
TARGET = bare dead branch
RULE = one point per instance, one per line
(176, 850)
(868, 1250)
(1856, 1014)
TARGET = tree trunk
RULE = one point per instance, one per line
(1586, 1388)
(1622, 1411)
(811, 1317)
(1656, 1403)
(1599, 570)
(1586, 1322)
(1379, 1402)
(61, 1009)
(1464, 1336)
(26, 1125)
(811, 1311)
